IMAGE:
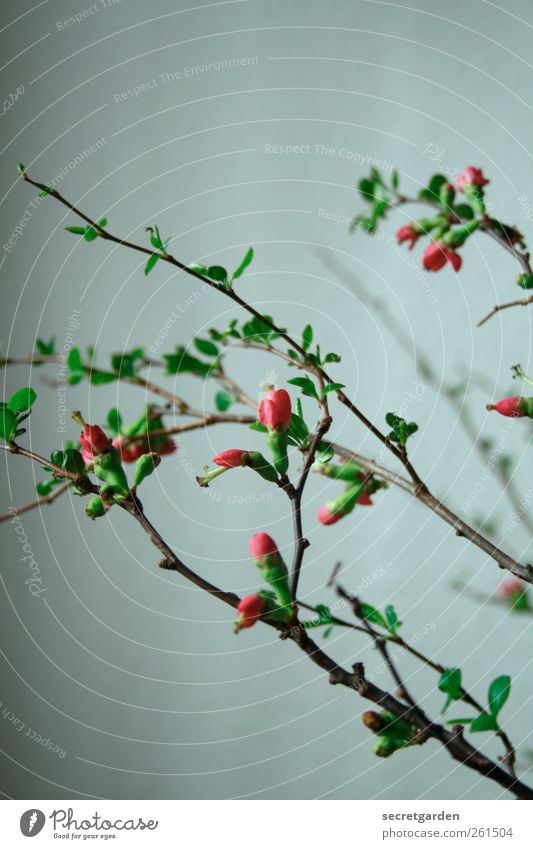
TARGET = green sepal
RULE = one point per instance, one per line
(256, 461)
(277, 441)
(145, 465)
(525, 405)
(108, 468)
(475, 196)
(344, 471)
(275, 573)
(95, 507)
(458, 236)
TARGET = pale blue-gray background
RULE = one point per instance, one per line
(136, 675)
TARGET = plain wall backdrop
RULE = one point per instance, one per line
(133, 674)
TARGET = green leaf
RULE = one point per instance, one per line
(258, 426)
(392, 620)
(373, 615)
(484, 722)
(499, 693)
(78, 231)
(98, 378)
(90, 234)
(307, 336)
(464, 210)
(8, 422)
(332, 387)
(217, 273)
(460, 721)
(395, 180)
(248, 257)
(152, 261)
(74, 360)
(298, 429)
(332, 358)
(306, 386)
(45, 348)
(450, 683)
(223, 400)
(22, 400)
(206, 347)
(324, 452)
(155, 237)
(366, 188)
(20, 168)
(114, 420)
(199, 269)
(181, 361)
(434, 185)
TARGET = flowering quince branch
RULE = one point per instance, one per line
(451, 227)
(145, 441)
(366, 614)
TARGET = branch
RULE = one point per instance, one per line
(37, 502)
(458, 747)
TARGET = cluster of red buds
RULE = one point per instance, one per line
(136, 440)
(275, 604)
(445, 238)
(358, 489)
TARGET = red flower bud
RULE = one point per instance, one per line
(365, 500)
(261, 545)
(275, 410)
(511, 588)
(471, 176)
(162, 446)
(373, 720)
(326, 516)
(129, 452)
(249, 610)
(93, 441)
(436, 256)
(408, 233)
(231, 458)
(508, 407)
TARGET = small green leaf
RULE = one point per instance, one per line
(248, 257)
(392, 620)
(499, 693)
(20, 168)
(152, 261)
(206, 347)
(307, 336)
(332, 387)
(217, 273)
(22, 400)
(74, 360)
(460, 721)
(45, 348)
(464, 210)
(366, 188)
(298, 429)
(258, 426)
(324, 452)
(332, 358)
(223, 400)
(90, 234)
(98, 378)
(202, 270)
(450, 683)
(395, 179)
(155, 238)
(373, 615)
(484, 722)
(114, 420)
(8, 422)
(78, 231)
(306, 386)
